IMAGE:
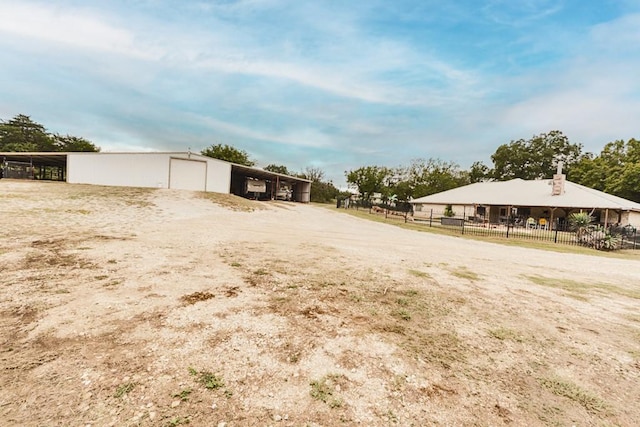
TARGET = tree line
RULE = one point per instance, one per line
(616, 170)
(23, 134)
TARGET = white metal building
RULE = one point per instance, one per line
(174, 170)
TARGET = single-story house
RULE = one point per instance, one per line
(176, 170)
(543, 201)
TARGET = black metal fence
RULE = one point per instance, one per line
(594, 236)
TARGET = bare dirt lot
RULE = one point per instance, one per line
(127, 307)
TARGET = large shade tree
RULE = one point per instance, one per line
(23, 134)
(370, 179)
(228, 153)
(536, 158)
(425, 177)
(615, 170)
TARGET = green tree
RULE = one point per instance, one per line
(73, 143)
(425, 177)
(228, 153)
(616, 170)
(479, 172)
(535, 158)
(23, 134)
(277, 169)
(369, 180)
(321, 191)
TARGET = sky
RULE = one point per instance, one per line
(334, 85)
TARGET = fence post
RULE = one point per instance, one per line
(508, 225)
(463, 226)
(430, 217)
(555, 237)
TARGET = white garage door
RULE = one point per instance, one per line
(188, 174)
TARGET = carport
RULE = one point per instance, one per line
(245, 178)
(45, 166)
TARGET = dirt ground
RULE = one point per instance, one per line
(136, 307)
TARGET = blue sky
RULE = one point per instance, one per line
(330, 84)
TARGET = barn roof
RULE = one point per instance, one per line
(518, 192)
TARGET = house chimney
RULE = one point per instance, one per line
(557, 187)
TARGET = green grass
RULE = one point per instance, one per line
(184, 394)
(178, 421)
(124, 389)
(324, 391)
(208, 379)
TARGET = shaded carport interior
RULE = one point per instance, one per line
(26, 165)
(239, 174)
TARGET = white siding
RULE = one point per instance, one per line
(145, 170)
(188, 174)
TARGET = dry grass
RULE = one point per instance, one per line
(232, 202)
(581, 289)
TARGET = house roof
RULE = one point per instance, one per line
(518, 192)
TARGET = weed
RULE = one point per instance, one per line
(324, 391)
(112, 261)
(123, 389)
(403, 314)
(403, 302)
(228, 393)
(178, 421)
(184, 394)
(208, 379)
(261, 272)
(573, 392)
(236, 264)
(101, 277)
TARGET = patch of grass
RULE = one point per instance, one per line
(184, 394)
(112, 261)
(419, 273)
(403, 314)
(559, 387)
(580, 288)
(101, 277)
(236, 264)
(112, 283)
(324, 391)
(178, 421)
(195, 297)
(124, 389)
(261, 272)
(465, 273)
(208, 379)
(505, 334)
